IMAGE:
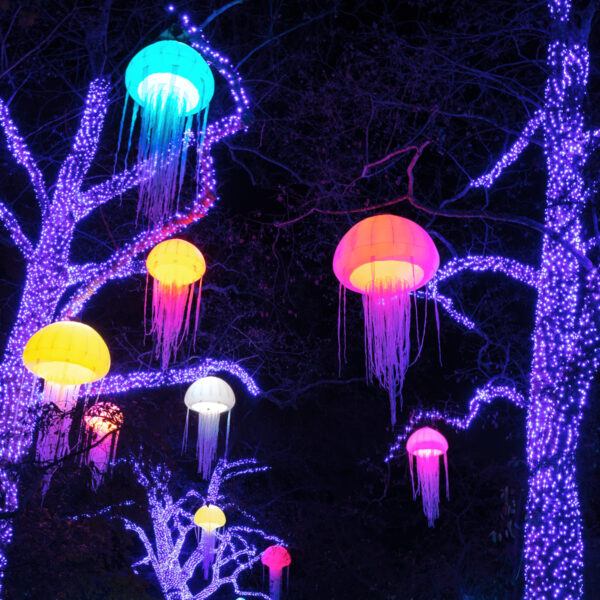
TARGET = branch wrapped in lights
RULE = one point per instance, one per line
(513, 153)
(18, 148)
(14, 229)
(137, 380)
(479, 264)
(485, 395)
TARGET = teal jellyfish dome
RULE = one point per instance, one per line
(170, 68)
(171, 86)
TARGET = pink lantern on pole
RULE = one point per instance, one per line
(428, 445)
(384, 258)
(103, 422)
(275, 558)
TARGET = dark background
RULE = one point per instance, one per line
(333, 86)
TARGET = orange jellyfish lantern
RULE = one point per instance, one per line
(384, 258)
(66, 355)
(428, 445)
(103, 422)
(175, 265)
(275, 558)
(209, 518)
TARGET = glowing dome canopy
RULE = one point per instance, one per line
(383, 249)
(170, 68)
(209, 517)
(176, 262)
(426, 442)
(67, 353)
(276, 557)
(209, 395)
(103, 417)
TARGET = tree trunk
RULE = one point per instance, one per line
(45, 284)
(560, 372)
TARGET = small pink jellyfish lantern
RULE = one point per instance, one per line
(385, 258)
(103, 422)
(275, 558)
(428, 445)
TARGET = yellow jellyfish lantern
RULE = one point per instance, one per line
(176, 266)
(209, 518)
(66, 355)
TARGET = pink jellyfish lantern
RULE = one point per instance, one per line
(275, 558)
(384, 258)
(103, 422)
(428, 445)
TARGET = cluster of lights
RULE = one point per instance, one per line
(50, 273)
(166, 553)
(565, 337)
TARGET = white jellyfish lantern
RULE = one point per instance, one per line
(209, 397)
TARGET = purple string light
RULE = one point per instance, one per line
(119, 384)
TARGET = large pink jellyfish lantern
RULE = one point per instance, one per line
(103, 422)
(384, 258)
(428, 445)
(275, 558)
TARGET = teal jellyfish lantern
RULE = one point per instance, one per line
(170, 83)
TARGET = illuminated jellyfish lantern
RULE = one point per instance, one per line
(103, 421)
(170, 83)
(175, 266)
(66, 355)
(209, 397)
(427, 445)
(209, 518)
(384, 258)
(275, 558)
